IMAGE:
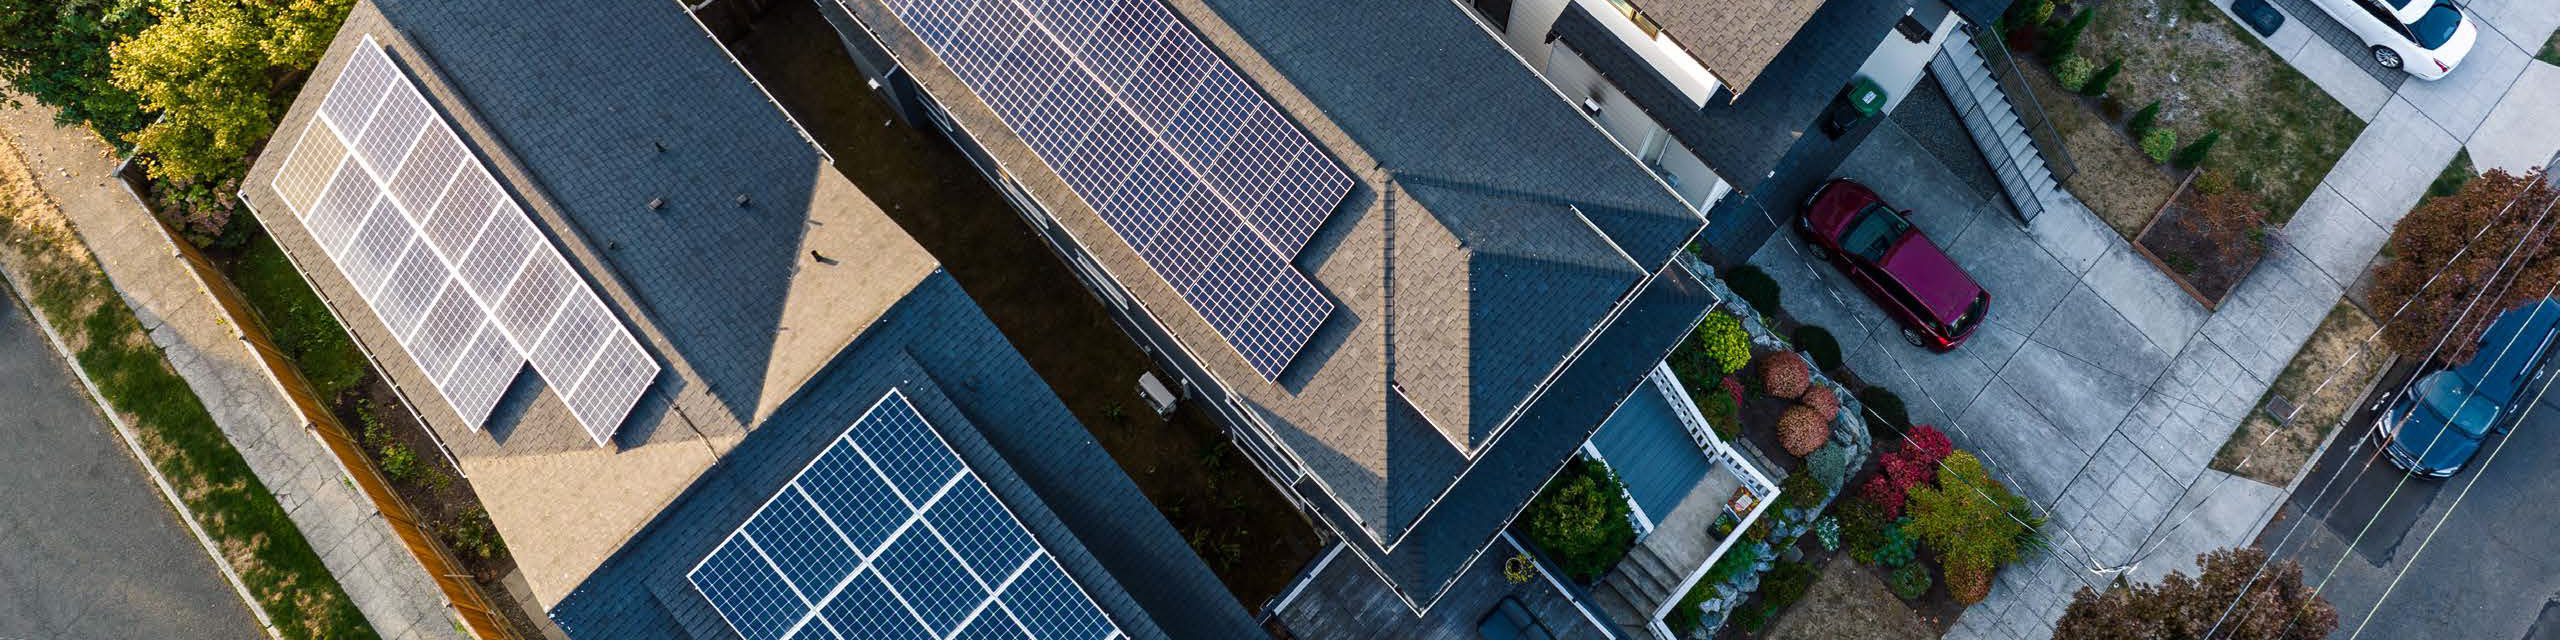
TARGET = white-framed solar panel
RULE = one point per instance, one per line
(451, 265)
(888, 535)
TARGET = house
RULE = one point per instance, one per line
(728, 343)
(1463, 274)
(1733, 88)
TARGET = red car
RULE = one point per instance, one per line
(1938, 305)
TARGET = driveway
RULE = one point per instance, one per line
(92, 550)
(2491, 572)
(2097, 388)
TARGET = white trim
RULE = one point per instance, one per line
(1321, 563)
(1654, 622)
(1567, 594)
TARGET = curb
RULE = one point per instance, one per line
(133, 445)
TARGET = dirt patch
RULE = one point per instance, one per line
(2281, 133)
(2339, 356)
(2117, 182)
(2209, 265)
(1250, 535)
(1850, 602)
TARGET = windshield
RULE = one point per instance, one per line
(2448, 399)
(2437, 27)
(1874, 232)
(1971, 315)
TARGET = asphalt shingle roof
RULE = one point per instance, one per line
(1734, 39)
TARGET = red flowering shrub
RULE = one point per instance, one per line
(1785, 375)
(1916, 464)
(1927, 442)
(1733, 385)
(1885, 493)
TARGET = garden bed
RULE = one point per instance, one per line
(1852, 601)
(2206, 243)
(2281, 133)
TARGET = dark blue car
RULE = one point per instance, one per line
(2435, 429)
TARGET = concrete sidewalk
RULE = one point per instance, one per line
(390, 587)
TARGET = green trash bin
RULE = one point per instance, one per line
(1861, 100)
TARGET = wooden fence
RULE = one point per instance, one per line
(479, 616)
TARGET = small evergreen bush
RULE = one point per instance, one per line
(2158, 142)
(1818, 343)
(1580, 519)
(2072, 72)
(1722, 339)
(2142, 120)
(2097, 83)
(1910, 581)
(1755, 287)
(2192, 155)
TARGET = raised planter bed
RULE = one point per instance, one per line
(2205, 263)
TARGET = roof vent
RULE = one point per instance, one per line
(662, 147)
(657, 203)
(742, 201)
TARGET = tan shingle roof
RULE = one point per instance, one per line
(1735, 39)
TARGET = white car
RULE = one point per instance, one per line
(2426, 38)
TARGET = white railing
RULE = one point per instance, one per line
(1704, 435)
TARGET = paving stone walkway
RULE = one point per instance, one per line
(385, 582)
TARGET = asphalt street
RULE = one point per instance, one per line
(2491, 571)
(87, 547)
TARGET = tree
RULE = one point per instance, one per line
(2278, 607)
(56, 52)
(2097, 82)
(2430, 237)
(1580, 519)
(2143, 119)
(209, 68)
(2192, 155)
(2067, 38)
(1971, 520)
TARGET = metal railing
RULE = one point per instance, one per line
(2013, 81)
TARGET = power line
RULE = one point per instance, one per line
(2459, 319)
(2457, 498)
(2362, 347)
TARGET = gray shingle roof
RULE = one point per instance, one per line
(937, 349)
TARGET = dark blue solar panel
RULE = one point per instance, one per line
(980, 529)
(803, 545)
(1154, 119)
(992, 624)
(865, 609)
(1289, 314)
(861, 504)
(1051, 607)
(747, 591)
(930, 579)
(1234, 282)
(815, 631)
(905, 449)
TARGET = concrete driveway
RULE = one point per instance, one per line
(91, 551)
(2097, 387)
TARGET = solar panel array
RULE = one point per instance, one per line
(889, 535)
(1212, 186)
(450, 264)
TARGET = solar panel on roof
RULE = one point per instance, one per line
(888, 535)
(453, 268)
(1154, 131)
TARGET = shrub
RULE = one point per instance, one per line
(2066, 39)
(1861, 528)
(2042, 13)
(1580, 519)
(1519, 569)
(1784, 375)
(2073, 72)
(1830, 465)
(399, 462)
(2192, 155)
(1910, 581)
(2281, 607)
(1827, 532)
(1886, 494)
(1899, 547)
(1887, 415)
(2097, 83)
(1968, 585)
(1929, 443)
(1787, 583)
(1755, 287)
(1721, 337)
(1823, 400)
(1818, 343)
(1751, 619)
(1721, 413)
(1801, 491)
(1969, 519)
(2158, 142)
(1802, 430)
(2142, 120)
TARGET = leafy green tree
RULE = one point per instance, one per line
(210, 69)
(56, 52)
(1968, 518)
(2277, 606)
(1580, 519)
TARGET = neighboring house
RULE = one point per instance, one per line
(1491, 275)
(1730, 88)
(787, 421)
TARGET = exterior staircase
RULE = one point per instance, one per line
(2018, 140)
(1629, 594)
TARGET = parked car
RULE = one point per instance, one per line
(2426, 38)
(2435, 428)
(1897, 265)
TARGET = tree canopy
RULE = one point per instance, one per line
(55, 51)
(2431, 236)
(211, 69)
(2278, 606)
